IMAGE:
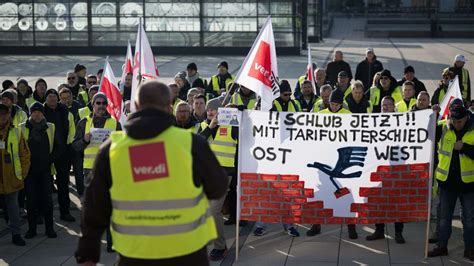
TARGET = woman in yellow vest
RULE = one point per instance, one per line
(157, 206)
(455, 176)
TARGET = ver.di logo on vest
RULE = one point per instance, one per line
(148, 161)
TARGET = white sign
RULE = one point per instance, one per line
(333, 153)
(228, 116)
(99, 135)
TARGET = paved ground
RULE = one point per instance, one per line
(332, 247)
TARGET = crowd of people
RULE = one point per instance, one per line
(48, 132)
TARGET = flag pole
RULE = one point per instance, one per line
(430, 190)
(102, 79)
(139, 76)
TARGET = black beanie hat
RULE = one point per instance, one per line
(36, 106)
(49, 91)
(198, 83)
(79, 67)
(192, 66)
(386, 73)
(223, 64)
(284, 86)
(6, 84)
(8, 94)
(337, 96)
(408, 69)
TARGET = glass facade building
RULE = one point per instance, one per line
(93, 25)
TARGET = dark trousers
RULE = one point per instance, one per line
(39, 199)
(21, 198)
(398, 227)
(232, 197)
(77, 165)
(63, 166)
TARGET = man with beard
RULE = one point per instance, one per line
(73, 84)
(58, 114)
(307, 99)
(183, 117)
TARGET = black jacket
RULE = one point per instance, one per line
(38, 142)
(127, 93)
(144, 124)
(38, 98)
(366, 70)
(306, 106)
(183, 92)
(59, 117)
(419, 86)
(74, 109)
(333, 69)
(357, 108)
(376, 108)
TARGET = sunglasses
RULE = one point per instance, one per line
(101, 103)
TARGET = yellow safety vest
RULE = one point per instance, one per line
(341, 111)
(401, 106)
(29, 101)
(13, 147)
(93, 148)
(292, 107)
(20, 117)
(347, 92)
(50, 132)
(465, 84)
(215, 83)
(84, 95)
(84, 112)
(375, 95)
(300, 81)
(157, 211)
(223, 145)
(445, 149)
(318, 105)
(237, 100)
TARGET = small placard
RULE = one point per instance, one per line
(228, 116)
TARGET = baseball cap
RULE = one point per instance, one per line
(460, 58)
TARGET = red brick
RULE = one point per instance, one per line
(367, 207)
(260, 198)
(391, 192)
(419, 167)
(250, 191)
(423, 192)
(299, 184)
(362, 214)
(270, 205)
(244, 184)
(387, 207)
(354, 207)
(402, 184)
(250, 217)
(424, 175)
(290, 220)
(269, 192)
(383, 168)
(244, 198)
(419, 214)
(397, 200)
(309, 220)
(291, 192)
(399, 168)
(279, 185)
(364, 191)
(335, 220)
(364, 221)
(281, 199)
(423, 207)
(289, 177)
(350, 220)
(270, 219)
(245, 211)
(398, 214)
(407, 207)
(391, 175)
(260, 211)
(377, 214)
(325, 213)
(422, 183)
(299, 200)
(265, 177)
(258, 184)
(308, 212)
(418, 199)
(374, 177)
(309, 192)
(280, 212)
(296, 212)
(248, 176)
(377, 200)
(409, 175)
(387, 184)
(250, 204)
(295, 207)
(314, 205)
(409, 191)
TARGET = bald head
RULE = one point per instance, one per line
(153, 94)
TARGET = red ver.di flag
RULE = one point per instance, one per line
(454, 92)
(259, 72)
(109, 87)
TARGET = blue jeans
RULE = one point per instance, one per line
(13, 210)
(447, 203)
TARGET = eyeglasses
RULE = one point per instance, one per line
(101, 103)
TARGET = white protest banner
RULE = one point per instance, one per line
(325, 168)
(228, 116)
(99, 135)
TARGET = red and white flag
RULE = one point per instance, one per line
(109, 87)
(454, 92)
(127, 66)
(309, 68)
(259, 72)
(144, 64)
